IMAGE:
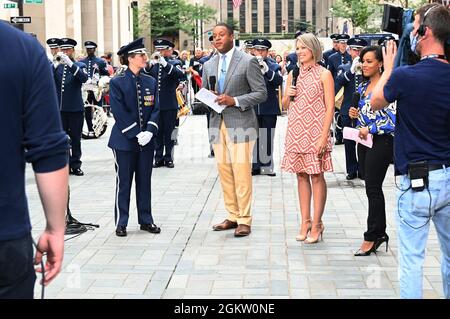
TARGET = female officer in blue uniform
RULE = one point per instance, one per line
(136, 112)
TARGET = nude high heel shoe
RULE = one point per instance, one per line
(313, 240)
(302, 235)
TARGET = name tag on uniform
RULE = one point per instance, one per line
(149, 100)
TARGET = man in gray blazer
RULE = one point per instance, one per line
(236, 77)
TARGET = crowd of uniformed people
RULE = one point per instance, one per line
(169, 73)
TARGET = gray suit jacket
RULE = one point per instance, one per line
(245, 82)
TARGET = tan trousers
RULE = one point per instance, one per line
(234, 163)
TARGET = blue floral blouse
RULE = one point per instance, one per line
(378, 122)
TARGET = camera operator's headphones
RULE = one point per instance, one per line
(423, 28)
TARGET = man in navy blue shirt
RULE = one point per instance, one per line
(30, 131)
(421, 145)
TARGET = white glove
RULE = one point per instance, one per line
(144, 138)
(356, 63)
(89, 81)
(263, 65)
(65, 59)
(162, 61)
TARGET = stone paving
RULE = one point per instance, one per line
(189, 260)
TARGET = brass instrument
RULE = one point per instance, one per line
(184, 110)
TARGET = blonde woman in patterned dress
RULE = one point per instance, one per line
(308, 143)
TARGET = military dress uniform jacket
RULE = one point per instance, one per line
(94, 63)
(68, 86)
(168, 79)
(291, 61)
(337, 59)
(350, 82)
(327, 54)
(134, 103)
(273, 80)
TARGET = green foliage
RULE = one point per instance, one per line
(357, 11)
(305, 26)
(169, 17)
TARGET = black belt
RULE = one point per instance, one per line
(433, 167)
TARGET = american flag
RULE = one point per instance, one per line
(237, 3)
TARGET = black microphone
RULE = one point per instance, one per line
(212, 82)
(355, 101)
(295, 74)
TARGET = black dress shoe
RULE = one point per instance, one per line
(169, 164)
(256, 172)
(351, 176)
(121, 231)
(76, 172)
(338, 142)
(151, 228)
(159, 164)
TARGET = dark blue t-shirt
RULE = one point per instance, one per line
(422, 128)
(30, 125)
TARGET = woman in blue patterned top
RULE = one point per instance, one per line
(374, 162)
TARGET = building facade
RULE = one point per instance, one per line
(264, 17)
(109, 23)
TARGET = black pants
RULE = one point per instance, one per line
(374, 163)
(262, 153)
(88, 110)
(164, 138)
(351, 163)
(17, 275)
(338, 129)
(72, 123)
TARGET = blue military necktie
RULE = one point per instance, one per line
(223, 73)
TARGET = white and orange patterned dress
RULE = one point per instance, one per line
(306, 117)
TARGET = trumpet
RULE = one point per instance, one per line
(358, 69)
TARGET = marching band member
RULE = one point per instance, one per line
(134, 103)
(168, 73)
(69, 76)
(267, 111)
(96, 68)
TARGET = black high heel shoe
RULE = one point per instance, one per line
(384, 238)
(372, 249)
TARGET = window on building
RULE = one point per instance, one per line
(278, 16)
(303, 10)
(230, 10)
(290, 16)
(314, 15)
(254, 16)
(266, 16)
(242, 17)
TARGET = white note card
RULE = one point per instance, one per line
(207, 97)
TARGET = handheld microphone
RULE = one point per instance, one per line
(295, 74)
(212, 82)
(355, 101)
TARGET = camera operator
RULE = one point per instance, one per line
(422, 144)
